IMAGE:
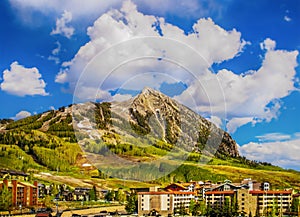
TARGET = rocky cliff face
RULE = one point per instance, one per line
(152, 114)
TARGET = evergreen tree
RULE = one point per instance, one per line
(202, 207)
(295, 204)
(93, 194)
(5, 198)
(110, 195)
(132, 203)
(120, 196)
(234, 206)
(192, 206)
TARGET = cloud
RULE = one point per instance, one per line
(55, 52)
(116, 26)
(273, 137)
(268, 44)
(287, 18)
(21, 81)
(216, 120)
(235, 123)
(94, 8)
(281, 153)
(26, 10)
(250, 97)
(21, 115)
(121, 97)
(129, 47)
(61, 25)
(54, 58)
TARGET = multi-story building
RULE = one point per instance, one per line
(248, 196)
(24, 194)
(268, 201)
(251, 197)
(163, 202)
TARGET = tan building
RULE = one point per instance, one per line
(280, 200)
(163, 202)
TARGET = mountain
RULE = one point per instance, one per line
(149, 137)
(150, 128)
(152, 113)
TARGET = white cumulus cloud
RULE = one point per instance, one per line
(62, 27)
(281, 153)
(209, 42)
(127, 46)
(21, 81)
(21, 115)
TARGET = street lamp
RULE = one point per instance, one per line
(20, 206)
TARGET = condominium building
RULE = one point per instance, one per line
(248, 196)
(23, 193)
(251, 197)
(278, 201)
(163, 202)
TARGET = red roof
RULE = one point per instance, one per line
(183, 192)
(270, 192)
(154, 193)
(43, 215)
(218, 192)
(165, 192)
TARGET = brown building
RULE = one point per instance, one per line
(24, 194)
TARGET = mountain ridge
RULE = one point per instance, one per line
(116, 136)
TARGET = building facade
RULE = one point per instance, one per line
(23, 194)
(247, 197)
(163, 202)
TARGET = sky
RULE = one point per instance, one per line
(234, 62)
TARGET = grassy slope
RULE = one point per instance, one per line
(55, 150)
(16, 158)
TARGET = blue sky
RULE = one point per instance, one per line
(235, 62)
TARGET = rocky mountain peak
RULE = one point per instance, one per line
(152, 112)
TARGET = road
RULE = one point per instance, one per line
(90, 211)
